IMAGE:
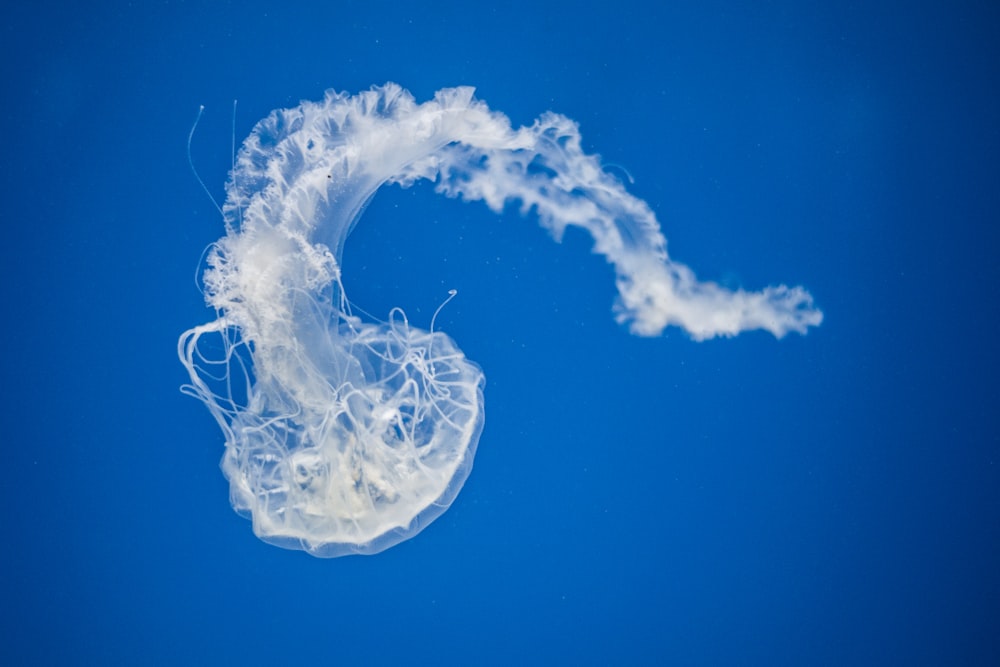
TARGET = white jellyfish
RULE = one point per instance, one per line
(345, 436)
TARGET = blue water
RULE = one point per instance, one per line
(829, 499)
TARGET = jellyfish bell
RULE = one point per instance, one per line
(350, 444)
(345, 436)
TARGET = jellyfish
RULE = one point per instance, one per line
(348, 436)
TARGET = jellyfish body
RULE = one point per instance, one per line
(351, 450)
(345, 436)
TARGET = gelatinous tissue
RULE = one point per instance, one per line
(347, 436)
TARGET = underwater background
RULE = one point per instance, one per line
(825, 499)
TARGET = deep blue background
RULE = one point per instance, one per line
(830, 499)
